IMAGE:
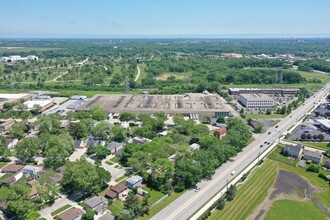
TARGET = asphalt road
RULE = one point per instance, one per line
(189, 202)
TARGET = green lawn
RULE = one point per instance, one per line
(292, 210)
(154, 195)
(157, 208)
(143, 73)
(276, 155)
(121, 178)
(2, 164)
(116, 207)
(4, 192)
(109, 163)
(318, 145)
(255, 116)
(63, 208)
(250, 194)
(5, 176)
(115, 159)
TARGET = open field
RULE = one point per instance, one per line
(291, 210)
(23, 49)
(184, 104)
(250, 194)
(154, 195)
(276, 155)
(178, 76)
(255, 116)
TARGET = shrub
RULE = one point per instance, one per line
(313, 168)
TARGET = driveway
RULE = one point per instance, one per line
(115, 172)
(77, 154)
(60, 202)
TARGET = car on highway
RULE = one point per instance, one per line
(233, 172)
(276, 126)
(269, 133)
(265, 142)
(197, 188)
(261, 145)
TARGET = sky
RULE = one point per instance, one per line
(164, 18)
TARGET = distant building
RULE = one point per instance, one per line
(44, 104)
(194, 146)
(78, 97)
(238, 91)
(140, 140)
(16, 58)
(31, 170)
(134, 181)
(9, 181)
(324, 124)
(11, 143)
(315, 156)
(115, 147)
(107, 216)
(11, 168)
(256, 100)
(294, 151)
(6, 125)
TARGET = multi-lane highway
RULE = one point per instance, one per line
(189, 202)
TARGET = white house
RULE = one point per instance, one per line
(11, 143)
(31, 170)
(32, 57)
(4, 59)
(14, 58)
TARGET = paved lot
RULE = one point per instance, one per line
(77, 154)
(185, 104)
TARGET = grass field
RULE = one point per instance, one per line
(178, 76)
(121, 178)
(63, 208)
(255, 116)
(276, 155)
(291, 210)
(115, 159)
(157, 208)
(154, 195)
(275, 123)
(4, 190)
(250, 194)
(116, 207)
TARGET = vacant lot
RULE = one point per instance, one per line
(288, 209)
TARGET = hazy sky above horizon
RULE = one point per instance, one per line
(134, 18)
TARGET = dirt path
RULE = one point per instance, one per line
(55, 79)
(288, 186)
(138, 74)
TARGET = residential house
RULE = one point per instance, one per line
(115, 147)
(5, 126)
(56, 179)
(34, 193)
(194, 146)
(172, 157)
(117, 191)
(294, 151)
(79, 144)
(33, 183)
(11, 143)
(314, 156)
(99, 204)
(32, 170)
(71, 214)
(65, 124)
(2, 204)
(11, 168)
(140, 140)
(134, 181)
(107, 216)
(327, 164)
(220, 132)
(8, 181)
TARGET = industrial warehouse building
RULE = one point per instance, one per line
(238, 91)
(256, 100)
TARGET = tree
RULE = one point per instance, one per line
(27, 149)
(268, 112)
(132, 204)
(88, 215)
(97, 113)
(309, 136)
(221, 120)
(101, 130)
(18, 202)
(57, 149)
(189, 172)
(118, 133)
(230, 194)
(127, 116)
(78, 130)
(17, 130)
(321, 137)
(49, 124)
(84, 177)
(303, 136)
(33, 215)
(162, 174)
(258, 128)
(100, 151)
